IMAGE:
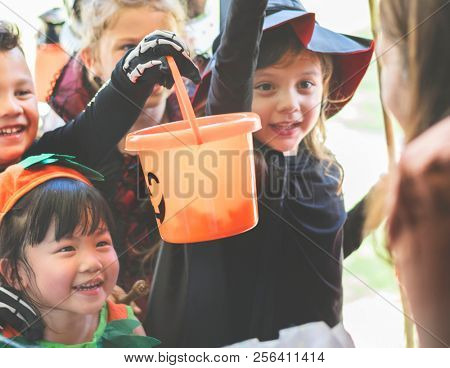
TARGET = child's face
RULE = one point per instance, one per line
(18, 107)
(287, 96)
(73, 275)
(130, 27)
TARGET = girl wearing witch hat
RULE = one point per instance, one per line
(287, 271)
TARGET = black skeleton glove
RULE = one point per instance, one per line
(147, 60)
(20, 315)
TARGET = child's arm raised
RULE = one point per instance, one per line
(232, 76)
(116, 106)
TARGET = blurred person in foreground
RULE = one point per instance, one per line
(415, 54)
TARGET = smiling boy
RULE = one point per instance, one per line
(18, 103)
(106, 119)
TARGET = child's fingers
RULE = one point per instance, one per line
(155, 45)
(189, 70)
(139, 71)
(164, 37)
(140, 62)
(116, 294)
(137, 311)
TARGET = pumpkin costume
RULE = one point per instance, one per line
(19, 320)
(115, 330)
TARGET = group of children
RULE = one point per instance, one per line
(89, 137)
(58, 263)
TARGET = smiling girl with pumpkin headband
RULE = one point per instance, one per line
(57, 259)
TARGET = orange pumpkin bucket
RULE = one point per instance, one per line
(199, 172)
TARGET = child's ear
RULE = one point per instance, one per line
(5, 270)
(7, 274)
(87, 56)
(90, 59)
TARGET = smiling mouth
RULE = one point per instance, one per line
(285, 128)
(5, 132)
(91, 285)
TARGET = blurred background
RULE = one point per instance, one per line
(372, 309)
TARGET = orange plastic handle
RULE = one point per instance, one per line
(183, 99)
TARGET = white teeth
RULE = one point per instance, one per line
(286, 126)
(89, 285)
(15, 130)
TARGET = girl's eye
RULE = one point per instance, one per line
(264, 87)
(128, 46)
(103, 244)
(305, 84)
(66, 249)
(23, 92)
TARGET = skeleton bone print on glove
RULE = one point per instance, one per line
(147, 59)
(18, 314)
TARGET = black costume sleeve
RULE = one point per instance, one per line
(106, 119)
(353, 227)
(231, 88)
(232, 76)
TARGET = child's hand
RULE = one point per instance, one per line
(147, 61)
(117, 296)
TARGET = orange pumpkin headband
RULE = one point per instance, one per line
(19, 179)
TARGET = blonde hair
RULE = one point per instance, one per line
(315, 140)
(99, 15)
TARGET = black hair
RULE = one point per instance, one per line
(9, 36)
(70, 205)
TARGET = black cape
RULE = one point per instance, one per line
(286, 271)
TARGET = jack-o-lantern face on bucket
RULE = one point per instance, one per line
(158, 204)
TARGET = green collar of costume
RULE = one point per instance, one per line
(113, 334)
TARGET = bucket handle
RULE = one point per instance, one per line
(183, 99)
